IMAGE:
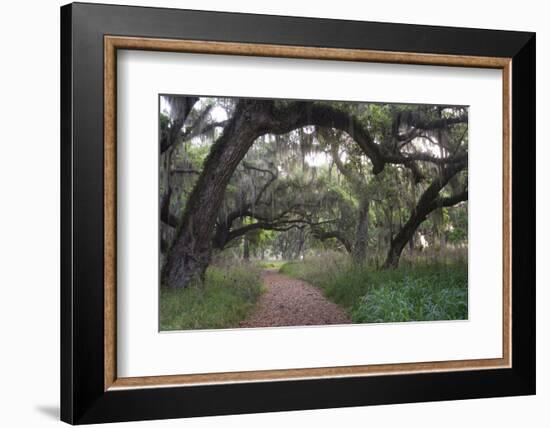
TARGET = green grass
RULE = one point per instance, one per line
(270, 264)
(224, 300)
(421, 292)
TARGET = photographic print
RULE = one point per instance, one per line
(280, 212)
(261, 196)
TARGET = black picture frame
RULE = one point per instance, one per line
(83, 398)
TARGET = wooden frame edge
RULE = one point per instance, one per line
(507, 213)
(109, 198)
(308, 373)
(112, 43)
(301, 52)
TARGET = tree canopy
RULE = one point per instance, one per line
(283, 179)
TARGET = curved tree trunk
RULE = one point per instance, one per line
(191, 252)
(405, 235)
(428, 202)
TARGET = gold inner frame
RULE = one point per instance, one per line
(112, 43)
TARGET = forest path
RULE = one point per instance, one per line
(292, 302)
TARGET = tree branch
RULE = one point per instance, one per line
(280, 226)
(421, 122)
(334, 234)
(453, 199)
(185, 171)
(274, 176)
(306, 113)
(180, 109)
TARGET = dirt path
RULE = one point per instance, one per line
(291, 302)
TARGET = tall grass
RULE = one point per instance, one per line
(420, 292)
(225, 299)
(450, 254)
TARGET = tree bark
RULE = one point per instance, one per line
(359, 251)
(246, 248)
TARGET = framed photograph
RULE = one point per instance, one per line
(265, 213)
